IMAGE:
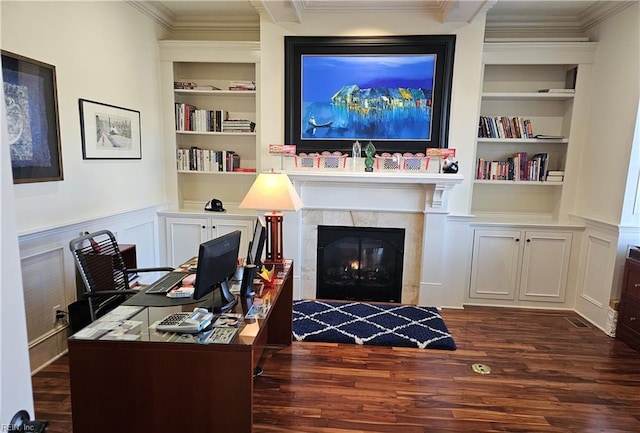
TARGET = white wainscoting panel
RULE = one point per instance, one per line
(48, 273)
(43, 278)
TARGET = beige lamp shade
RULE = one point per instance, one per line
(272, 191)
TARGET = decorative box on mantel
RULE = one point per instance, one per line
(417, 202)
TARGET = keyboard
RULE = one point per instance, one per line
(166, 283)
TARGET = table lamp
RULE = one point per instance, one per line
(274, 192)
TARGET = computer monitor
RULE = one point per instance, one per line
(256, 245)
(217, 263)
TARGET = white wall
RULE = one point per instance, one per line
(466, 80)
(15, 381)
(614, 95)
(105, 52)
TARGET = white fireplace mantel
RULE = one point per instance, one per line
(394, 191)
(423, 195)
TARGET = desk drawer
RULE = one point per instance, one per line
(629, 315)
(632, 286)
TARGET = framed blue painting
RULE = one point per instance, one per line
(32, 119)
(391, 90)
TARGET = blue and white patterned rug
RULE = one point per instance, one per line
(393, 325)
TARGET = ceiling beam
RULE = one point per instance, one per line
(280, 11)
(464, 11)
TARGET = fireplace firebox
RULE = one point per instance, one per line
(360, 263)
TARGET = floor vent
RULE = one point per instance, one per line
(578, 322)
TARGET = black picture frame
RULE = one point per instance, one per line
(109, 131)
(442, 47)
(32, 119)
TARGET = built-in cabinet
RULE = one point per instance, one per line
(213, 77)
(520, 265)
(185, 232)
(523, 234)
(513, 76)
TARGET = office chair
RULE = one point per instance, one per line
(100, 264)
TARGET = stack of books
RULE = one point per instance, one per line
(555, 175)
(242, 85)
(238, 125)
(556, 90)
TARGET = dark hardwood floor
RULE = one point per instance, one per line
(547, 375)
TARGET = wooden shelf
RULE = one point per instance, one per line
(248, 134)
(528, 96)
(516, 183)
(215, 92)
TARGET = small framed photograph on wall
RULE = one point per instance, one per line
(32, 119)
(109, 132)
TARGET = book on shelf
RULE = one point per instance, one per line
(189, 85)
(238, 125)
(548, 137)
(556, 90)
(516, 167)
(190, 118)
(242, 85)
(196, 159)
(555, 176)
(555, 173)
(184, 85)
(504, 127)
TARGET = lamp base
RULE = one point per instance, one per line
(274, 254)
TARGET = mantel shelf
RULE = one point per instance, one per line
(375, 178)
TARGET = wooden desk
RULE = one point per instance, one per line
(155, 385)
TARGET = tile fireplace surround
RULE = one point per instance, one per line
(416, 202)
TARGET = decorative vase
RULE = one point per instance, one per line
(356, 153)
(369, 151)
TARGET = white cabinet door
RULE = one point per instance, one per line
(184, 236)
(222, 226)
(495, 264)
(545, 265)
(531, 264)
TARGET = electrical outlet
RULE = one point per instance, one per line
(55, 312)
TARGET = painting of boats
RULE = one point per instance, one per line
(374, 97)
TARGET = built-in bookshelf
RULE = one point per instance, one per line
(211, 104)
(528, 129)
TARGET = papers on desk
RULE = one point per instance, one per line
(258, 311)
(121, 312)
(222, 335)
(228, 320)
(115, 324)
(127, 330)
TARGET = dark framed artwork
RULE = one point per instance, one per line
(109, 132)
(32, 119)
(394, 91)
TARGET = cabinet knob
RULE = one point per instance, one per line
(528, 240)
(204, 227)
(517, 239)
(632, 319)
(213, 227)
